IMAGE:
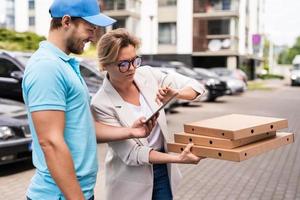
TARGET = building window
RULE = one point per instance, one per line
(10, 21)
(167, 2)
(218, 27)
(113, 4)
(212, 5)
(121, 23)
(167, 33)
(31, 4)
(10, 7)
(31, 21)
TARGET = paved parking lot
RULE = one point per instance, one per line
(274, 175)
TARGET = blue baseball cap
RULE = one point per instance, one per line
(88, 10)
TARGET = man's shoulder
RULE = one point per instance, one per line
(40, 57)
(42, 63)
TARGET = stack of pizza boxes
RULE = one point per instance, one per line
(233, 137)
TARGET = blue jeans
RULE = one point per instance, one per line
(161, 187)
(92, 198)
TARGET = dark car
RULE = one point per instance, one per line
(235, 86)
(235, 73)
(91, 75)
(15, 137)
(295, 77)
(214, 87)
(12, 66)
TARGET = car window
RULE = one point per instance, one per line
(6, 67)
(90, 75)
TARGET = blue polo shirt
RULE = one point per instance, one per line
(52, 81)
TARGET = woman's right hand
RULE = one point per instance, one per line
(141, 129)
(187, 157)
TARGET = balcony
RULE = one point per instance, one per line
(215, 36)
(216, 8)
(220, 45)
(121, 8)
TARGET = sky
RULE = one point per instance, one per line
(282, 21)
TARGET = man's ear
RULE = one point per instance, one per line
(66, 21)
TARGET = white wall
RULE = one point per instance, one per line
(241, 28)
(21, 15)
(149, 28)
(42, 16)
(184, 26)
(2, 11)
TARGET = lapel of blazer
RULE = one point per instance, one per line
(121, 109)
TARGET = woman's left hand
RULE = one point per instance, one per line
(165, 93)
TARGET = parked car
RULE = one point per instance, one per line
(236, 73)
(91, 75)
(175, 102)
(215, 88)
(235, 86)
(15, 137)
(295, 72)
(12, 66)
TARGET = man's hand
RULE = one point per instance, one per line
(141, 129)
(164, 94)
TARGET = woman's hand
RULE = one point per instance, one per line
(188, 157)
(141, 129)
(164, 94)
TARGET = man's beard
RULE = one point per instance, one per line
(73, 46)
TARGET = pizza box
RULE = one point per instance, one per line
(219, 142)
(235, 126)
(240, 153)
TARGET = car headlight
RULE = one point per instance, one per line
(6, 132)
(210, 82)
(294, 77)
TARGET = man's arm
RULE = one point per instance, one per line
(49, 126)
(139, 129)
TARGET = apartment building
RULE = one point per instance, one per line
(201, 33)
(126, 12)
(227, 33)
(25, 15)
(210, 33)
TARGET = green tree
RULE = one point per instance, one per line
(16, 41)
(266, 54)
(286, 57)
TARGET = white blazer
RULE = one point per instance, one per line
(128, 173)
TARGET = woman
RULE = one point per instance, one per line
(137, 168)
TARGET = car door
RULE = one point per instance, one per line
(10, 79)
(92, 78)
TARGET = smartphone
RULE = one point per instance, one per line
(161, 107)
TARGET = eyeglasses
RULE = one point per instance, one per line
(124, 65)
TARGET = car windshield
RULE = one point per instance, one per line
(222, 72)
(206, 72)
(296, 67)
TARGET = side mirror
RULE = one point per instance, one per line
(18, 75)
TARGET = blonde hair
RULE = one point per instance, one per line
(111, 43)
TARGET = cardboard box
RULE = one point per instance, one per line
(240, 153)
(235, 126)
(219, 142)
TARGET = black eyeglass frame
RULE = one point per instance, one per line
(130, 62)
